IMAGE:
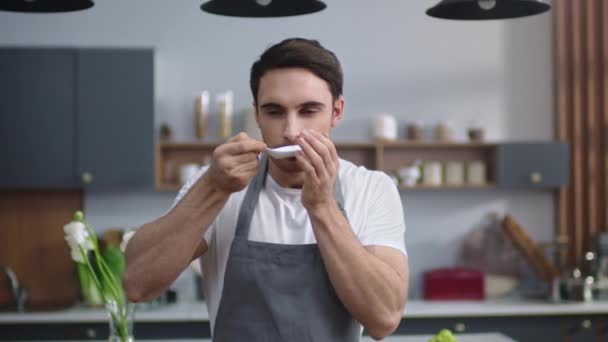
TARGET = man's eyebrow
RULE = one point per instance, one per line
(312, 104)
(274, 105)
(271, 105)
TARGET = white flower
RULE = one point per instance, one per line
(77, 255)
(73, 226)
(78, 239)
(125, 240)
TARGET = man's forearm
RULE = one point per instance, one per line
(161, 249)
(373, 292)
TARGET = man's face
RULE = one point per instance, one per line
(289, 101)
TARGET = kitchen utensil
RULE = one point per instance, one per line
(284, 151)
(531, 251)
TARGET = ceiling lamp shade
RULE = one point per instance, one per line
(44, 6)
(487, 9)
(262, 8)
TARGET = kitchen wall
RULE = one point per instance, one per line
(396, 60)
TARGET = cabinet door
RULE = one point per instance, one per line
(533, 165)
(115, 118)
(521, 329)
(37, 118)
(584, 329)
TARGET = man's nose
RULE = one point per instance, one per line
(292, 129)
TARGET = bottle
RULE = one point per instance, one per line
(225, 104)
(201, 114)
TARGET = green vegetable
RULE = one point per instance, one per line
(444, 335)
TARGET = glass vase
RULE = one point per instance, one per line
(121, 317)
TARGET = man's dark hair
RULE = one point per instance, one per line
(299, 53)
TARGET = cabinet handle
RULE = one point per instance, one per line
(87, 177)
(91, 333)
(459, 327)
(586, 324)
(536, 177)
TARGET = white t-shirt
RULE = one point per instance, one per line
(371, 201)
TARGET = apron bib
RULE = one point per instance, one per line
(274, 292)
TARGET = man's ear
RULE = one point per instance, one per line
(337, 112)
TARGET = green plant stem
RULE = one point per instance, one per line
(112, 284)
(105, 270)
(97, 282)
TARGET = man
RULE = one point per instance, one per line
(307, 248)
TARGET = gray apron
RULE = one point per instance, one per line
(274, 292)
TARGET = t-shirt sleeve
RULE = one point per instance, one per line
(184, 191)
(385, 219)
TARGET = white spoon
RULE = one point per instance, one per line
(284, 151)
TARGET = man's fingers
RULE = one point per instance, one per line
(244, 146)
(238, 137)
(313, 157)
(330, 145)
(239, 159)
(246, 167)
(306, 166)
(321, 148)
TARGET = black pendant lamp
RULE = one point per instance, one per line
(45, 6)
(262, 8)
(487, 9)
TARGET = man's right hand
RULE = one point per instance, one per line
(234, 163)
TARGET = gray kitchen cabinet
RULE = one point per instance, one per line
(76, 118)
(37, 118)
(538, 165)
(115, 118)
(583, 329)
(521, 329)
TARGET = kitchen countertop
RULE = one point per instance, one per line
(197, 312)
(485, 337)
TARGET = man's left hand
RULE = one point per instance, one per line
(320, 163)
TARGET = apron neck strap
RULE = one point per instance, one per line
(253, 191)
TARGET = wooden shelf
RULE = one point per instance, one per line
(448, 187)
(387, 156)
(434, 144)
